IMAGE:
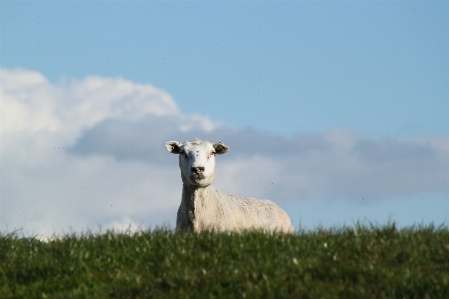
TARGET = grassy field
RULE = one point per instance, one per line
(348, 262)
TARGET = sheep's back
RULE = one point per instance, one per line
(248, 213)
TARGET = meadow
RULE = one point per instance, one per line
(363, 261)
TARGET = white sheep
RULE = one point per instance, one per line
(204, 208)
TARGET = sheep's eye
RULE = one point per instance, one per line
(186, 156)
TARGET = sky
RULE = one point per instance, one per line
(338, 111)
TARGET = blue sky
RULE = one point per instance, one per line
(371, 75)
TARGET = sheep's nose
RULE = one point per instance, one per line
(198, 169)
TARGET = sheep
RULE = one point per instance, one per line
(205, 208)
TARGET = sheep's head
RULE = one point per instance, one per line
(197, 160)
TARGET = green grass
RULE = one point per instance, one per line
(348, 262)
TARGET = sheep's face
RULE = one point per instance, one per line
(197, 160)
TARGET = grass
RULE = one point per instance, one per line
(348, 262)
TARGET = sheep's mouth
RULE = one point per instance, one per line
(198, 176)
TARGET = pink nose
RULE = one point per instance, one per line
(198, 169)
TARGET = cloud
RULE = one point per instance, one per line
(45, 187)
(90, 153)
(337, 164)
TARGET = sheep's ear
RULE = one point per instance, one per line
(173, 147)
(220, 148)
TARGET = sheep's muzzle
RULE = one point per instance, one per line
(198, 173)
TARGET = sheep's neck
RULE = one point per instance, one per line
(193, 195)
(194, 200)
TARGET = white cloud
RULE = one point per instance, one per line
(28, 102)
(45, 188)
(342, 166)
(90, 153)
(39, 105)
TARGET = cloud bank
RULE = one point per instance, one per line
(90, 153)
